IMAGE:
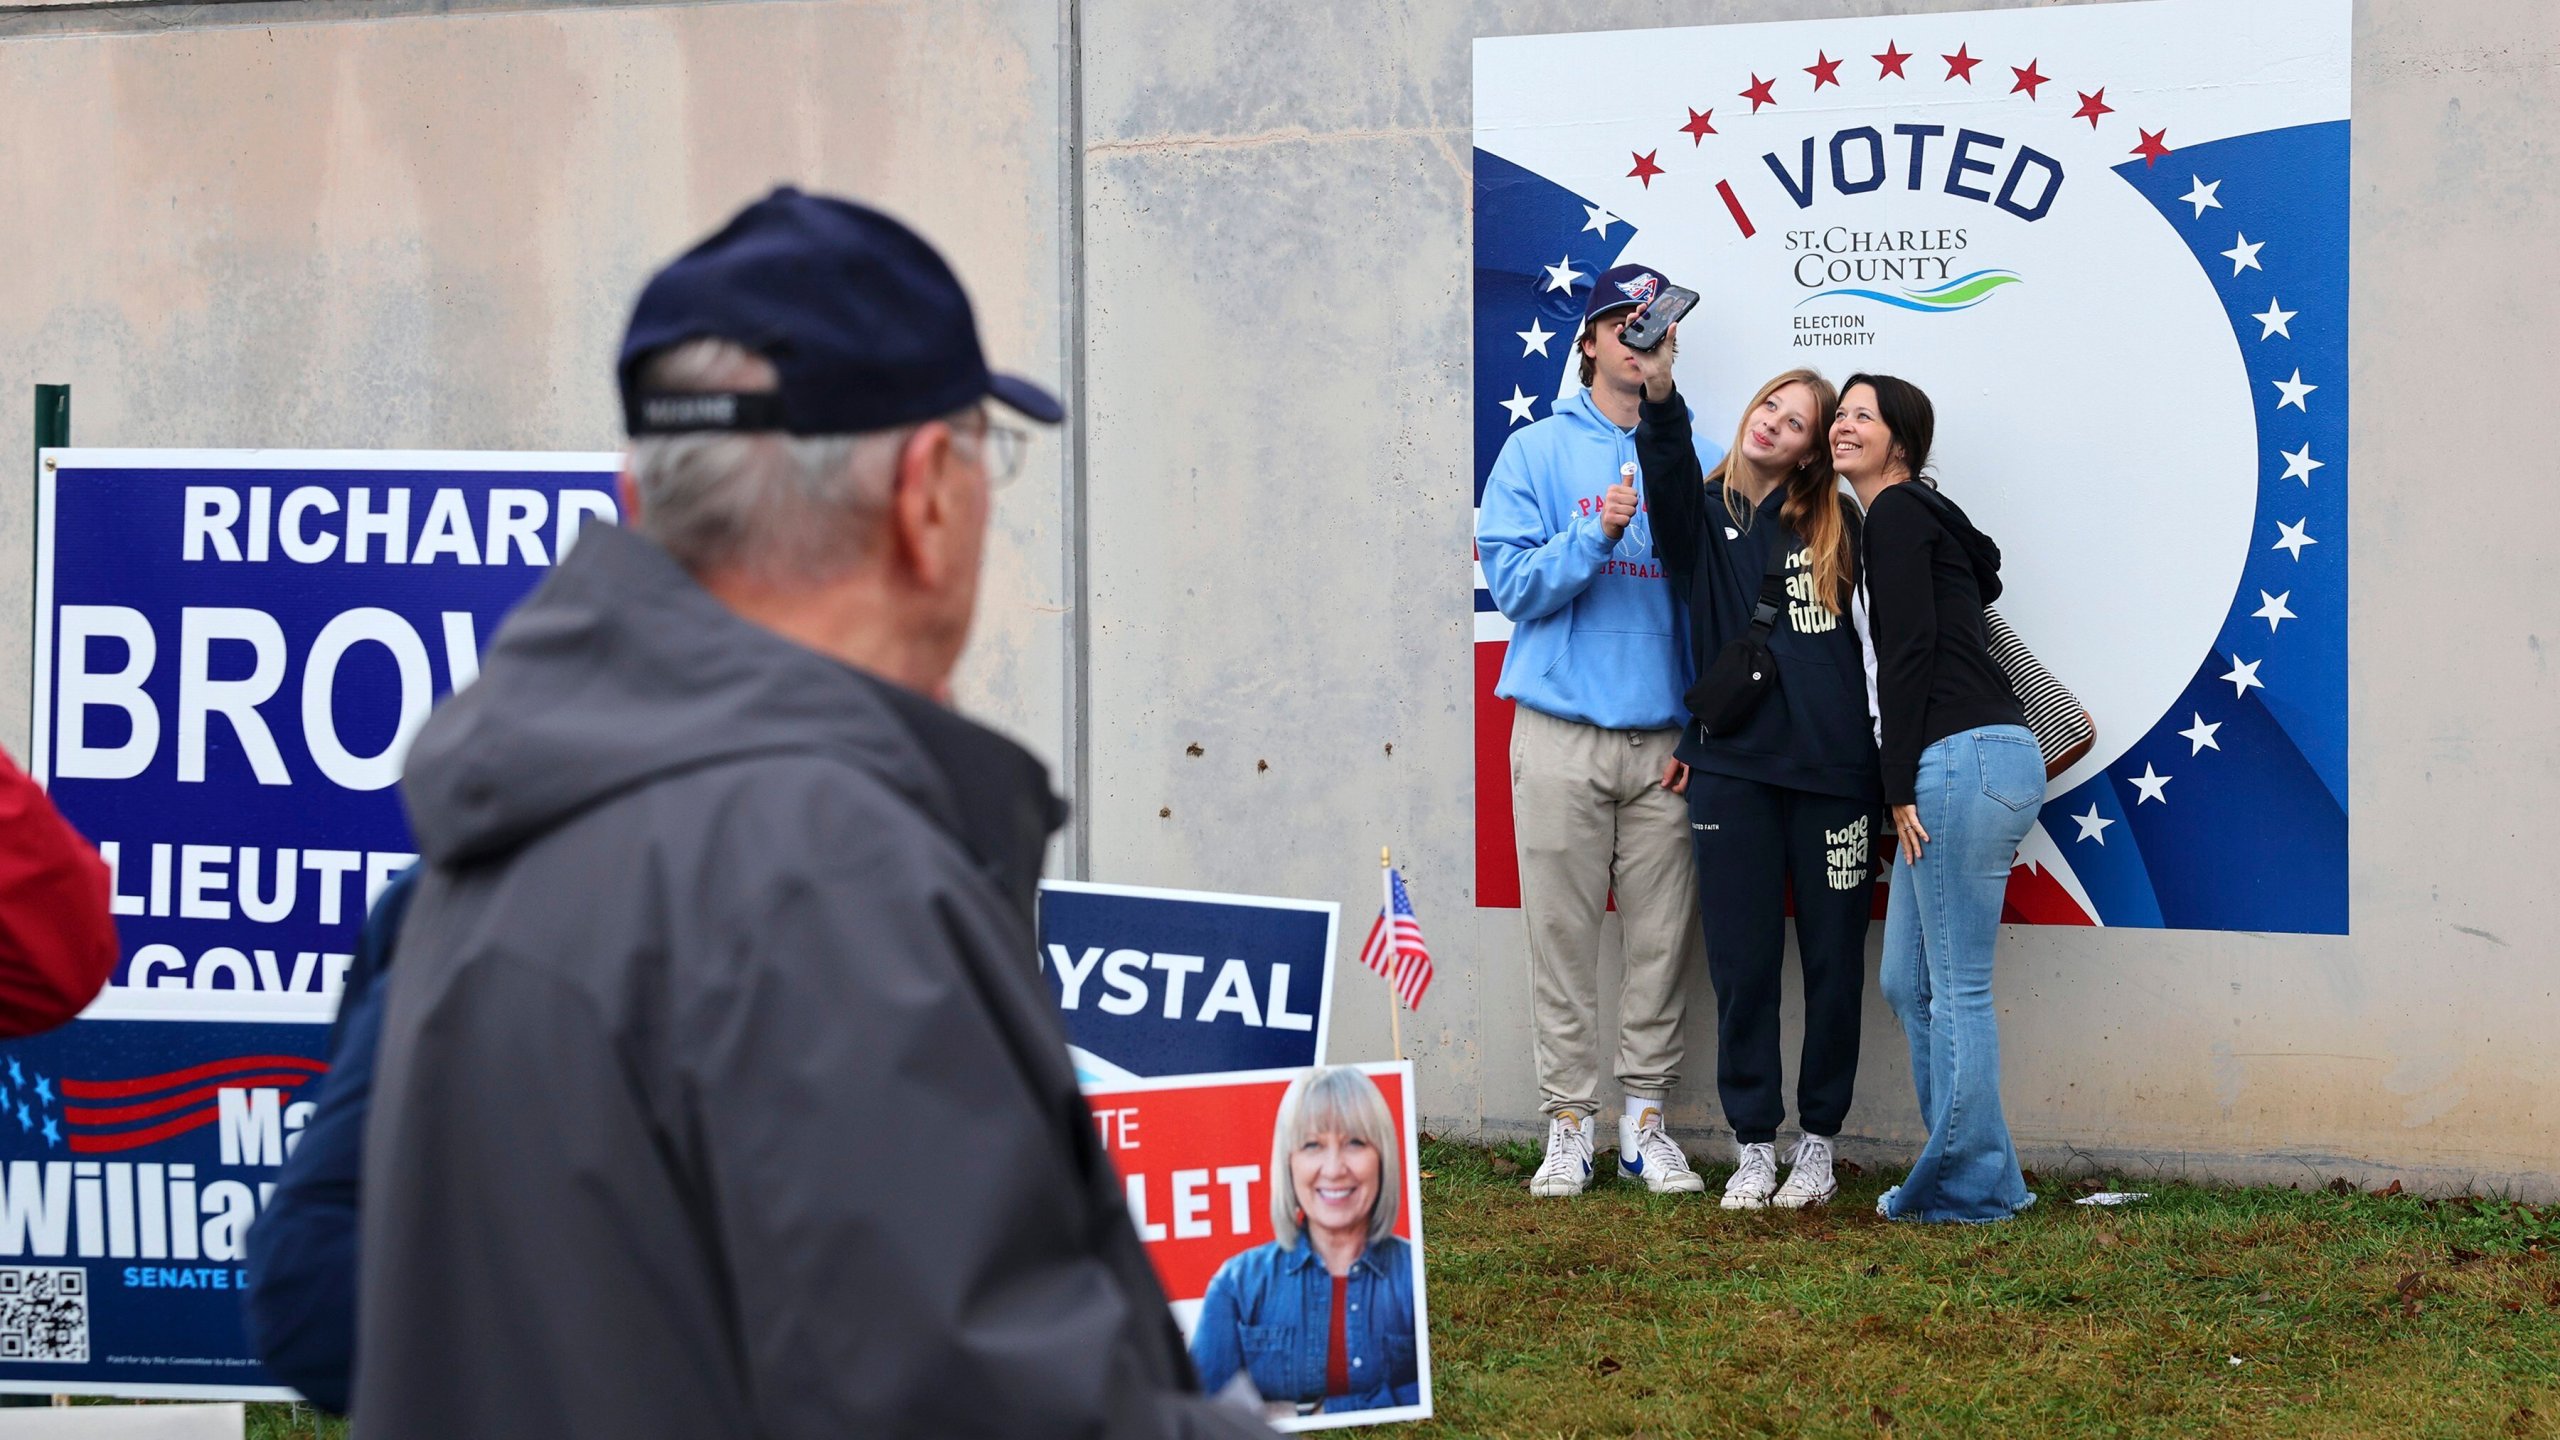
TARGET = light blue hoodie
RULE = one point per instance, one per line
(1597, 635)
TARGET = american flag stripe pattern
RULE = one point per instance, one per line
(172, 1103)
(1395, 947)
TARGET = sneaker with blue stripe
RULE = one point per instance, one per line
(1647, 1152)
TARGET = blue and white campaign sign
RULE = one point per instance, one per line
(232, 652)
(139, 1152)
(2110, 241)
(1179, 982)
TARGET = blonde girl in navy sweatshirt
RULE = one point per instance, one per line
(1789, 801)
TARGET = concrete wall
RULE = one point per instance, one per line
(270, 228)
(421, 229)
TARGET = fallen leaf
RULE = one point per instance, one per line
(1882, 1417)
(1608, 1365)
(2410, 1284)
(2340, 1186)
(1873, 1271)
(2387, 1191)
(2521, 1422)
(2460, 1256)
(1850, 1168)
(2030, 1177)
(1430, 1174)
(2551, 1294)
(2512, 1307)
(1193, 750)
(1504, 1165)
(2105, 1239)
(1426, 1137)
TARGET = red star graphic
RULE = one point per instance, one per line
(1760, 92)
(1824, 70)
(1698, 128)
(1645, 168)
(2153, 145)
(2093, 106)
(1890, 62)
(2028, 79)
(1960, 65)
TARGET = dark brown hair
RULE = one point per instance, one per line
(1906, 411)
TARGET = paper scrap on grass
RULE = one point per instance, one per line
(2113, 1197)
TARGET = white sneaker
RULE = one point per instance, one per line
(1567, 1167)
(1755, 1177)
(1809, 1179)
(1647, 1153)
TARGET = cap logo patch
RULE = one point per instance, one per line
(689, 412)
(1642, 288)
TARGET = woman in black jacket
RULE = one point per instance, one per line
(1789, 794)
(1964, 777)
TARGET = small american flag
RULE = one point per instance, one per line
(1395, 947)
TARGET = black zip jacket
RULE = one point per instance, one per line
(1812, 733)
(1929, 573)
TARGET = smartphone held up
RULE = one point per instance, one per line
(1655, 319)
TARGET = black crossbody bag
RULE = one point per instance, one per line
(1744, 671)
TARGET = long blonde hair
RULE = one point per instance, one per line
(1812, 506)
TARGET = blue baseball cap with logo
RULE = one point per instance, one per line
(865, 325)
(1623, 286)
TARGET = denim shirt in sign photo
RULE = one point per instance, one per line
(1269, 1313)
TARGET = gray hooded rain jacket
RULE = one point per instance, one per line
(719, 1094)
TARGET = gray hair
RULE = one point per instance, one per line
(1341, 1100)
(785, 509)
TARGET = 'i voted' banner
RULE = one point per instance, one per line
(2110, 242)
(233, 650)
(1180, 982)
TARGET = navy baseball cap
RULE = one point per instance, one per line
(1622, 286)
(864, 323)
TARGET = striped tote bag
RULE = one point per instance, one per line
(2060, 723)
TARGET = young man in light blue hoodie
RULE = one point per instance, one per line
(1597, 667)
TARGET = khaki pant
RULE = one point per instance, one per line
(1591, 815)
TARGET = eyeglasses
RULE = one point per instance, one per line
(1000, 451)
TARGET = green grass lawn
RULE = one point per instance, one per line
(1626, 1314)
(2198, 1312)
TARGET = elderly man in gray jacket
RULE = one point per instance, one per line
(718, 1094)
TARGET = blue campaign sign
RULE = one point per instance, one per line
(1177, 982)
(134, 1154)
(233, 650)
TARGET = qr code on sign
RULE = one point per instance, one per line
(44, 1313)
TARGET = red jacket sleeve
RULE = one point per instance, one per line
(57, 939)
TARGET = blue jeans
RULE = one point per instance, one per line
(1978, 796)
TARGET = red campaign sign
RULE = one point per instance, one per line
(1195, 1157)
